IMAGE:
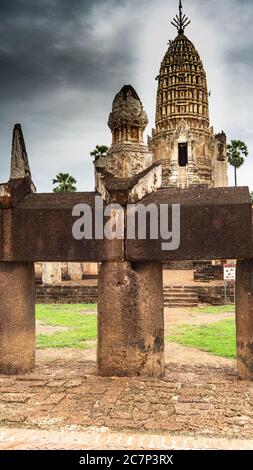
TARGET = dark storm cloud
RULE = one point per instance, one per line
(62, 62)
(51, 43)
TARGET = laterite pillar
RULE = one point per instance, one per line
(130, 320)
(244, 318)
(17, 318)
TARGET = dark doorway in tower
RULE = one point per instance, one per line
(182, 154)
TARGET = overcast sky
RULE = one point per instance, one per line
(63, 61)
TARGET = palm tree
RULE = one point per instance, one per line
(65, 183)
(100, 151)
(236, 151)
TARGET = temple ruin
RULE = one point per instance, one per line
(215, 223)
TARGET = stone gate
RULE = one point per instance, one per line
(215, 224)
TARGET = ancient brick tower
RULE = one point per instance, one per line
(183, 140)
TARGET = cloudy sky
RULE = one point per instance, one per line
(62, 62)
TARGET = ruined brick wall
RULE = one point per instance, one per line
(213, 295)
(204, 271)
(66, 294)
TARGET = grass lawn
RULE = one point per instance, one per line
(217, 338)
(82, 326)
(230, 308)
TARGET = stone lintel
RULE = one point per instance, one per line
(214, 224)
(40, 229)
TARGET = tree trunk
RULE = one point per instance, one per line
(235, 176)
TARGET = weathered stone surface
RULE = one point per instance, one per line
(128, 155)
(75, 271)
(12, 193)
(127, 110)
(130, 320)
(148, 184)
(125, 161)
(19, 161)
(40, 229)
(215, 224)
(20, 183)
(129, 190)
(244, 318)
(196, 400)
(90, 269)
(17, 318)
(51, 274)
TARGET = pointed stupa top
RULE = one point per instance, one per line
(182, 86)
(180, 21)
(127, 110)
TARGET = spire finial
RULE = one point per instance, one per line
(180, 21)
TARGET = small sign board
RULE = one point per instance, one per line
(229, 272)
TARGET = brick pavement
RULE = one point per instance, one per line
(104, 439)
(203, 402)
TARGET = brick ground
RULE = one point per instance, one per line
(198, 401)
(104, 439)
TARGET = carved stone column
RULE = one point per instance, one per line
(17, 318)
(17, 280)
(244, 318)
(75, 271)
(130, 320)
(51, 274)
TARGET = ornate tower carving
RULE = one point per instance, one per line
(128, 172)
(128, 155)
(183, 139)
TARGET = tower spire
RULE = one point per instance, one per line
(180, 21)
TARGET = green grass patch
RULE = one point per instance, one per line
(218, 338)
(83, 327)
(230, 308)
(64, 315)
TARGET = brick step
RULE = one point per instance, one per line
(180, 288)
(180, 296)
(180, 291)
(179, 299)
(177, 293)
(180, 304)
(175, 305)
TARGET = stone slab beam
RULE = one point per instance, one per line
(130, 320)
(40, 229)
(17, 318)
(214, 224)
